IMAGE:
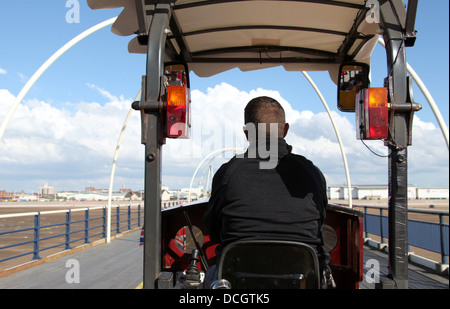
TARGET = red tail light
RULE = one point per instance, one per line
(376, 110)
(177, 112)
(372, 114)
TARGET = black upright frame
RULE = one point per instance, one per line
(151, 107)
(396, 25)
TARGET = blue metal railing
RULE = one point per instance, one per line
(123, 220)
(429, 236)
(425, 235)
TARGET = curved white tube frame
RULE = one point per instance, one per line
(113, 170)
(38, 74)
(344, 157)
(45, 66)
(216, 153)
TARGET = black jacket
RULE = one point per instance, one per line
(284, 203)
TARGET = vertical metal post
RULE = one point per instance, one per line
(444, 259)
(37, 228)
(365, 222)
(118, 219)
(153, 139)
(86, 226)
(152, 206)
(393, 17)
(139, 215)
(68, 219)
(105, 225)
(381, 226)
(129, 217)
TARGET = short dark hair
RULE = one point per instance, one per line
(265, 110)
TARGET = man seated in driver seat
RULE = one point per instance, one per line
(268, 193)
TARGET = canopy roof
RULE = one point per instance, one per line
(218, 35)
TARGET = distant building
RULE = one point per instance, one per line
(165, 195)
(115, 196)
(133, 196)
(5, 196)
(24, 197)
(65, 194)
(125, 190)
(432, 193)
(94, 190)
(372, 192)
(46, 190)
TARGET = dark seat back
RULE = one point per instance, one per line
(259, 264)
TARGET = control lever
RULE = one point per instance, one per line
(193, 279)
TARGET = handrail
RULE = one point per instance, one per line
(48, 212)
(415, 210)
(417, 230)
(66, 235)
(123, 220)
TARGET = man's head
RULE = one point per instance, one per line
(265, 110)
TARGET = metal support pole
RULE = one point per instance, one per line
(153, 139)
(393, 18)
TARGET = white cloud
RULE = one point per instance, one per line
(3, 71)
(44, 142)
(72, 150)
(218, 119)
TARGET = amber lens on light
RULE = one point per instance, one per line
(176, 96)
(377, 97)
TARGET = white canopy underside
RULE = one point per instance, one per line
(215, 36)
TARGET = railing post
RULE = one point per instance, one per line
(365, 222)
(86, 226)
(129, 217)
(441, 234)
(68, 219)
(104, 222)
(381, 226)
(37, 227)
(139, 215)
(118, 220)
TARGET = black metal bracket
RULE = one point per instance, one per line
(145, 105)
(409, 107)
(410, 31)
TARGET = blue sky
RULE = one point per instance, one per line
(93, 84)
